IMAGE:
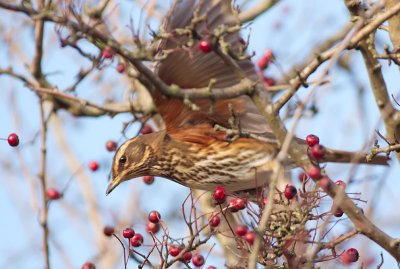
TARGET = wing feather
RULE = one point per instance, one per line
(188, 67)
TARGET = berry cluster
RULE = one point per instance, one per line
(316, 151)
(263, 63)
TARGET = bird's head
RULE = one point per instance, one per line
(134, 158)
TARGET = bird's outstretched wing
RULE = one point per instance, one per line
(188, 67)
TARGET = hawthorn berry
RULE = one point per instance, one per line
(290, 191)
(121, 68)
(111, 145)
(108, 230)
(232, 206)
(268, 82)
(265, 59)
(349, 256)
(264, 201)
(107, 53)
(214, 221)
(286, 9)
(174, 250)
(240, 203)
(314, 172)
(324, 182)
(250, 237)
(187, 256)
(136, 240)
(338, 212)
(53, 194)
(312, 140)
(219, 195)
(93, 165)
(262, 63)
(146, 129)
(88, 265)
(241, 230)
(205, 45)
(341, 183)
(13, 140)
(198, 260)
(303, 177)
(152, 227)
(128, 233)
(268, 54)
(318, 151)
(154, 216)
(148, 180)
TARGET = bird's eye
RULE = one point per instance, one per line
(122, 159)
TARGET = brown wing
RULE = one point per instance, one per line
(190, 68)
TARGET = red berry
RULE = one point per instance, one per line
(53, 194)
(312, 140)
(107, 53)
(128, 233)
(263, 62)
(152, 227)
(268, 54)
(265, 59)
(240, 203)
(174, 250)
(219, 195)
(154, 216)
(121, 68)
(111, 145)
(187, 256)
(198, 260)
(286, 9)
(88, 265)
(349, 256)
(318, 151)
(278, 25)
(303, 177)
(241, 230)
(214, 221)
(338, 212)
(341, 184)
(268, 82)
(314, 172)
(324, 182)
(146, 129)
(250, 237)
(211, 267)
(136, 240)
(13, 140)
(148, 180)
(205, 45)
(108, 230)
(232, 206)
(290, 191)
(93, 165)
(264, 201)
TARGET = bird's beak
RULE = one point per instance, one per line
(113, 184)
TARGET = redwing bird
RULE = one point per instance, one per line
(191, 151)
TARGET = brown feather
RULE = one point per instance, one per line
(191, 68)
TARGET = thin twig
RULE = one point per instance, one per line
(43, 186)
